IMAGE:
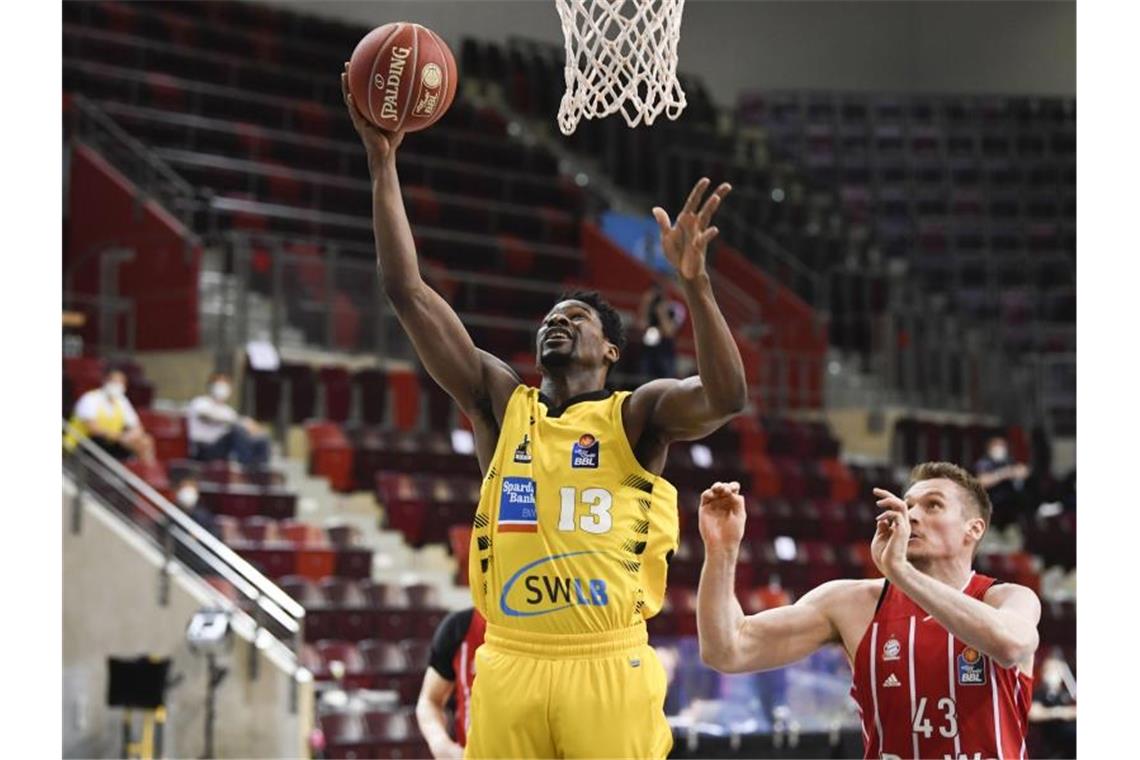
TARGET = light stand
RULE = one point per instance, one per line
(209, 633)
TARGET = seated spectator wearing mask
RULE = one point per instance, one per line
(107, 417)
(1003, 479)
(1055, 707)
(217, 432)
(186, 495)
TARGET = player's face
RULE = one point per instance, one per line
(572, 333)
(942, 523)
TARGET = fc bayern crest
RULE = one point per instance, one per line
(891, 649)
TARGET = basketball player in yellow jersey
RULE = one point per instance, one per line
(575, 525)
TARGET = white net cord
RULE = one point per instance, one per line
(621, 55)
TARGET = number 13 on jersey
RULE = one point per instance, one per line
(598, 501)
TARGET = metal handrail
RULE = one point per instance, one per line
(74, 31)
(244, 34)
(283, 608)
(214, 161)
(363, 223)
(349, 149)
(285, 104)
(93, 112)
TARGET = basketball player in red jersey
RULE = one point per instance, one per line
(450, 672)
(942, 657)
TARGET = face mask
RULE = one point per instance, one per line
(220, 391)
(118, 390)
(998, 453)
(188, 496)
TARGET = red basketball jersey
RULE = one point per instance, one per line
(924, 694)
(464, 664)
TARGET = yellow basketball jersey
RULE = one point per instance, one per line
(572, 534)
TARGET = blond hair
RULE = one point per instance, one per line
(951, 471)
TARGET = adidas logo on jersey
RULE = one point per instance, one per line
(892, 680)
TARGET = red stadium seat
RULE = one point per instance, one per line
(168, 431)
(336, 384)
(330, 454)
(316, 563)
(405, 389)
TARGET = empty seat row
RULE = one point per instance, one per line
(278, 559)
(372, 734)
(370, 663)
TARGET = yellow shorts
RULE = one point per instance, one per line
(588, 695)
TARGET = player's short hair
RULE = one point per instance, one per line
(950, 471)
(612, 326)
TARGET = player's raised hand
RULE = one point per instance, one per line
(892, 533)
(721, 517)
(686, 240)
(380, 145)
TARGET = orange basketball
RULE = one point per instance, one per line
(402, 77)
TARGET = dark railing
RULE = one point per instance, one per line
(152, 175)
(181, 540)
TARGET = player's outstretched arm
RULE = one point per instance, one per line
(731, 642)
(431, 715)
(472, 377)
(1003, 625)
(692, 408)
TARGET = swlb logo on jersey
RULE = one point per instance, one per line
(891, 649)
(971, 668)
(518, 510)
(534, 591)
(586, 452)
(522, 451)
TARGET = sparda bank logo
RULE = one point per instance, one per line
(530, 592)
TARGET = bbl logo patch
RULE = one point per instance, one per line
(971, 668)
(518, 507)
(522, 452)
(891, 649)
(586, 452)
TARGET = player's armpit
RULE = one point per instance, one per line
(1023, 611)
(784, 635)
(677, 410)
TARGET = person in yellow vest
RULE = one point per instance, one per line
(575, 525)
(107, 417)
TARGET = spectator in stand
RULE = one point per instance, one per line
(217, 432)
(107, 417)
(659, 319)
(1004, 481)
(1055, 707)
(451, 670)
(186, 497)
(186, 494)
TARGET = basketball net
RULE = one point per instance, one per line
(621, 55)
